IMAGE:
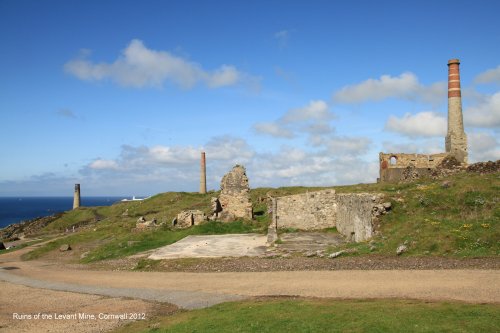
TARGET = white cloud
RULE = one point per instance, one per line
(163, 168)
(349, 146)
(489, 76)
(378, 89)
(428, 146)
(485, 114)
(100, 164)
(421, 124)
(172, 155)
(273, 129)
(312, 118)
(404, 86)
(298, 167)
(228, 148)
(483, 147)
(436, 93)
(139, 66)
(224, 76)
(315, 110)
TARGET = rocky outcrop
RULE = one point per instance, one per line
(189, 218)
(26, 228)
(65, 247)
(143, 224)
(401, 249)
(235, 195)
(484, 167)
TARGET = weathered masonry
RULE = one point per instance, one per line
(76, 197)
(351, 213)
(404, 166)
(235, 195)
(394, 167)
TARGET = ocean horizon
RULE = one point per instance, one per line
(19, 209)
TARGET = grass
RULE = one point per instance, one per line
(462, 220)
(114, 240)
(77, 217)
(148, 240)
(106, 231)
(315, 315)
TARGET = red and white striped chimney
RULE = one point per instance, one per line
(456, 140)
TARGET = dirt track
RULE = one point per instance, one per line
(192, 290)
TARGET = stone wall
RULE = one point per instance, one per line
(235, 194)
(401, 167)
(308, 211)
(188, 218)
(353, 214)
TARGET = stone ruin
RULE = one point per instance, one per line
(142, 224)
(189, 218)
(395, 167)
(234, 200)
(355, 215)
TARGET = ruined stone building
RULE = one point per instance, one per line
(234, 199)
(353, 214)
(400, 166)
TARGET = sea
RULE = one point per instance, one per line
(18, 209)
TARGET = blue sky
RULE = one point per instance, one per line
(122, 96)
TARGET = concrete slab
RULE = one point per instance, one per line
(214, 246)
(309, 241)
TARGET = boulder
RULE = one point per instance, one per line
(484, 167)
(401, 249)
(336, 254)
(64, 248)
(446, 184)
(189, 218)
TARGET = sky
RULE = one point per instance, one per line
(122, 96)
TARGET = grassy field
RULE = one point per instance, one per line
(459, 220)
(306, 315)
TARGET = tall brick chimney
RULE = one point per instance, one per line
(203, 174)
(76, 197)
(456, 140)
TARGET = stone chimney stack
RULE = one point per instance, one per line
(203, 174)
(76, 197)
(456, 140)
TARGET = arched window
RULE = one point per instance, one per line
(393, 160)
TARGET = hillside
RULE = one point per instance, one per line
(457, 216)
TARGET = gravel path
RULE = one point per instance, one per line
(183, 298)
(200, 289)
(300, 263)
(20, 306)
(192, 290)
